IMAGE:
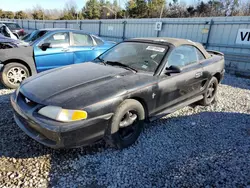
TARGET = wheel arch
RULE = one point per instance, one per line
(18, 61)
(144, 104)
(218, 76)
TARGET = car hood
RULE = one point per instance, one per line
(88, 82)
(4, 39)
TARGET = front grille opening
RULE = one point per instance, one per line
(25, 100)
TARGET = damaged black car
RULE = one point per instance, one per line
(136, 81)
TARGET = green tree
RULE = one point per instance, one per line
(92, 9)
(21, 15)
(155, 7)
(142, 8)
(137, 8)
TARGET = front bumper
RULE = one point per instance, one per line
(60, 135)
(222, 75)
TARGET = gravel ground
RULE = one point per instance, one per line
(193, 147)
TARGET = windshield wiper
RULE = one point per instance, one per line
(100, 59)
(120, 64)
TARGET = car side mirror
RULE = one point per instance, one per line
(172, 69)
(45, 46)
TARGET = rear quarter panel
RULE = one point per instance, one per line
(213, 65)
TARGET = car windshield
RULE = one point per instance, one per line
(12, 26)
(136, 55)
(26, 37)
(33, 36)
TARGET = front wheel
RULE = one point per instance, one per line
(126, 124)
(13, 74)
(210, 92)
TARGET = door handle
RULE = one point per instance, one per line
(198, 74)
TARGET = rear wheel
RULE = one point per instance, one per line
(13, 74)
(126, 124)
(210, 93)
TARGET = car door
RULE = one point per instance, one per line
(83, 47)
(58, 54)
(177, 87)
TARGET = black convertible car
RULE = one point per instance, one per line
(135, 81)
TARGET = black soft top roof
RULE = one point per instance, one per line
(171, 41)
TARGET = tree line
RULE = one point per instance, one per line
(104, 9)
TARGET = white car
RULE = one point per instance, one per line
(4, 30)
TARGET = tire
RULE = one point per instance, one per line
(117, 130)
(210, 92)
(13, 74)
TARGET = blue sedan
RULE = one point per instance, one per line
(57, 47)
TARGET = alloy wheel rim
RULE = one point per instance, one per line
(16, 75)
(211, 91)
(128, 124)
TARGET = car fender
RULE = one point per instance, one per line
(24, 55)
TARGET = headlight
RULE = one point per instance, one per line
(63, 115)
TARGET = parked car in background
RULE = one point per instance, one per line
(6, 42)
(15, 28)
(135, 81)
(58, 47)
(4, 30)
(34, 35)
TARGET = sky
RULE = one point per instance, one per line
(16, 5)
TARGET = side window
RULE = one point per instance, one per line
(41, 33)
(200, 55)
(37, 35)
(183, 56)
(82, 40)
(58, 40)
(98, 41)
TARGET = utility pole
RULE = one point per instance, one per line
(162, 10)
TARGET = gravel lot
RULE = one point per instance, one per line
(193, 147)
